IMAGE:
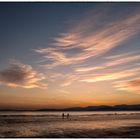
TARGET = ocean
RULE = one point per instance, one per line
(100, 124)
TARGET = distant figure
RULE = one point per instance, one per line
(63, 115)
(68, 116)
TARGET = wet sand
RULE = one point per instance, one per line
(121, 132)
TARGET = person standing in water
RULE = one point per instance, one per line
(63, 115)
(68, 115)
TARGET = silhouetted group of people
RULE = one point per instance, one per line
(67, 116)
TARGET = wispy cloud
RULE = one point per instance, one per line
(123, 59)
(117, 75)
(132, 85)
(87, 69)
(91, 43)
(21, 75)
(67, 40)
(111, 75)
(111, 61)
(84, 41)
(69, 79)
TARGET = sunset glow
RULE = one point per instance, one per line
(58, 55)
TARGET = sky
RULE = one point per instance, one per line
(58, 55)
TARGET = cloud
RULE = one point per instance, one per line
(87, 69)
(105, 72)
(55, 56)
(128, 85)
(88, 37)
(111, 75)
(134, 83)
(119, 60)
(66, 40)
(90, 42)
(21, 75)
(69, 79)
(112, 61)
(122, 55)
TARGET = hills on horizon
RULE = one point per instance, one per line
(122, 107)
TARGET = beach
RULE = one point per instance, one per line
(79, 125)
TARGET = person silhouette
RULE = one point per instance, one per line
(68, 115)
(63, 115)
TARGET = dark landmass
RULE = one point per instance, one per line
(90, 108)
(99, 108)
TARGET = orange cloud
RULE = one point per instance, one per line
(134, 83)
(111, 61)
(128, 85)
(21, 75)
(111, 75)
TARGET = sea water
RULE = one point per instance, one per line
(52, 124)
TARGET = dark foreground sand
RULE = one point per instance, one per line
(124, 132)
